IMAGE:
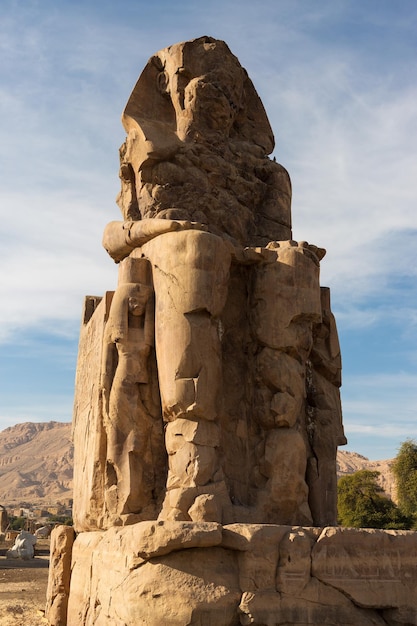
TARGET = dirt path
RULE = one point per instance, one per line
(23, 591)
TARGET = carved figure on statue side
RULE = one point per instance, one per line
(127, 342)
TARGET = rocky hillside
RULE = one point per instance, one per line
(36, 461)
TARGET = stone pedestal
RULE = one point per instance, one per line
(182, 573)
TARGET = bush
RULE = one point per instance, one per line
(405, 471)
(17, 523)
(361, 504)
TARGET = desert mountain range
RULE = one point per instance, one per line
(36, 464)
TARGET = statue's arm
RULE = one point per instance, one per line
(120, 238)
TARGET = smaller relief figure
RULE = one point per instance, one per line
(130, 409)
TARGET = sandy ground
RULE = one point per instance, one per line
(23, 588)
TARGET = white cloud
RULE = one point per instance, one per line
(347, 131)
(51, 259)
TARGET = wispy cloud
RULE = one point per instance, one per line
(346, 127)
(354, 182)
(51, 258)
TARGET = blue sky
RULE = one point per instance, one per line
(338, 81)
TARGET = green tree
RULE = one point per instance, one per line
(404, 469)
(17, 523)
(361, 503)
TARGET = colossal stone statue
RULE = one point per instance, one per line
(216, 295)
(207, 410)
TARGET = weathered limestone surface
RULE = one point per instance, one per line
(62, 540)
(207, 410)
(182, 573)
